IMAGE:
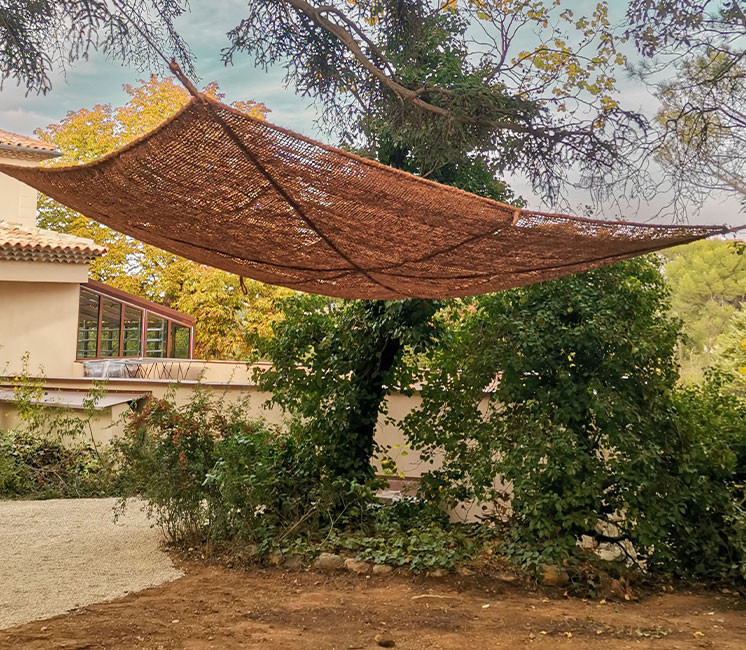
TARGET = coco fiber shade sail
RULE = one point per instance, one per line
(216, 186)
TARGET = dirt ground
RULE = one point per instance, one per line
(215, 607)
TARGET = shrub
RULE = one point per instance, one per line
(577, 421)
(41, 467)
(212, 474)
(208, 472)
(416, 535)
(52, 452)
(164, 456)
(703, 532)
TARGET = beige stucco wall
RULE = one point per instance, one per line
(41, 319)
(231, 382)
(17, 200)
(47, 272)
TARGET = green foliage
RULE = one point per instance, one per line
(37, 40)
(729, 354)
(211, 474)
(453, 79)
(708, 285)
(420, 537)
(51, 453)
(40, 467)
(704, 486)
(577, 420)
(164, 457)
(208, 472)
(332, 364)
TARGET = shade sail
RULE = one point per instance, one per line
(221, 188)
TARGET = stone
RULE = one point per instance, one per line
(275, 559)
(554, 576)
(464, 571)
(356, 566)
(438, 573)
(385, 640)
(294, 562)
(329, 562)
(382, 569)
(508, 578)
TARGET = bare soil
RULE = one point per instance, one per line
(216, 607)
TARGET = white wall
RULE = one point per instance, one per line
(17, 200)
(40, 318)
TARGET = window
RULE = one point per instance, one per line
(111, 326)
(180, 343)
(87, 324)
(132, 332)
(157, 336)
(115, 324)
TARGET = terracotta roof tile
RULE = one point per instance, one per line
(15, 140)
(21, 244)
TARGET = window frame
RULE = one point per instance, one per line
(146, 308)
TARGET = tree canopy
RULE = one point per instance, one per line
(38, 39)
(694, 58)
(530, 84)
(708, 286)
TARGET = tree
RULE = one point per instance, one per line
(401, 81)
(696, 65)
(708, 285)
(562, 391)
(526, 83)
(333, 361)
(703, 118)
(38, 38)
(730, 352)
(224, 315)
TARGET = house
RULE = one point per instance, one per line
(67, 332)
(60, 327)
(50, 308)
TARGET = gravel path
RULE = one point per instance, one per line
(65, 553)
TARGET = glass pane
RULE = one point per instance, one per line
(157, 336)
(179, 341)
(111, 316)
(87, 324)
(132, 332)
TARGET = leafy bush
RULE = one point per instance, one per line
(586, 433)
(577, 421)
(52, 453)
(704, 486)
(164, 457)
(41, 467)
(412, 534)
(208, 472)
(333, 362)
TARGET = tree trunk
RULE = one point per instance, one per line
(371, 380)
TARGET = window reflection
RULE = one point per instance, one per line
(157, 333)
(180, 347)
(87, 324)
(132, 332)
(111, 323)
(110, 327)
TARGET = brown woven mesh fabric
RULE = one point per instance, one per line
(216, 186)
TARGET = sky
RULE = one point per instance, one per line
(100, 81)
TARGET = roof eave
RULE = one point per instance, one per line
(42, 153)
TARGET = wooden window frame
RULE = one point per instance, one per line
(146, 308)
